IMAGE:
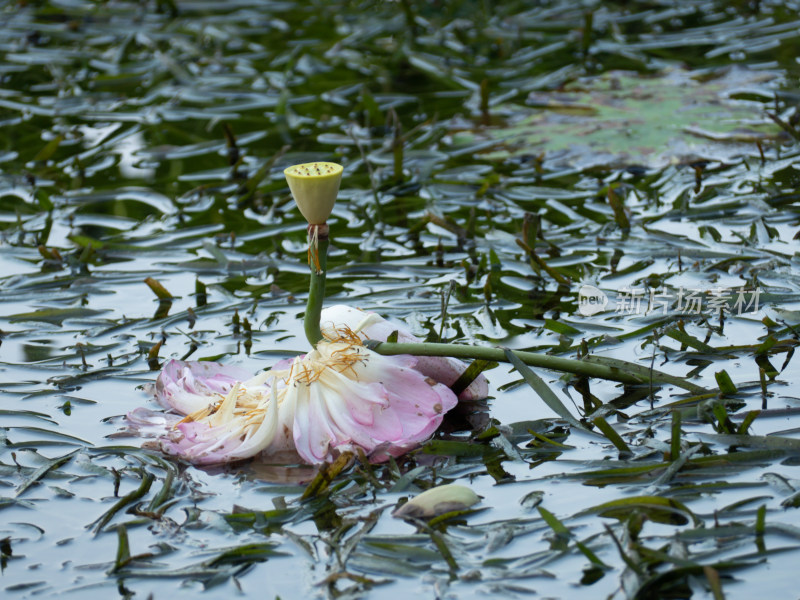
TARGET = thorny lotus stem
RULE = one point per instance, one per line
(556, 363)
(318, 262)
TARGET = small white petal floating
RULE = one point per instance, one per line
(437, 501)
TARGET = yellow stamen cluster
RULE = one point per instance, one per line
(340, 353)
(245, 402)
(346, 335)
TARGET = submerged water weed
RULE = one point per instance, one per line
(152, 144)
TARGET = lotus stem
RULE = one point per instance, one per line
(318, 241)
(547, 361)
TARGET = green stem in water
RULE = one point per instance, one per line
(585, 367)
(318, 261)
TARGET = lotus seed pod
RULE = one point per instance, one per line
(314, 187)
(438, 501)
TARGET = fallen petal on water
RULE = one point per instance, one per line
(437, 501)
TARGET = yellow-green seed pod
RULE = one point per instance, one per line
(314, 187)
(437, 501)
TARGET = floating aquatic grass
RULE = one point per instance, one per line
(161, 154)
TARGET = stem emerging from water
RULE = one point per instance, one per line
(318, 261)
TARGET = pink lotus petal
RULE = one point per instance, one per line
(237, 438)
(200, 444)
(379, 404)
(418, 404)
(443, 369)
(447, 370)
(338, 413)
(187, 387)
(150, 423)
(340, 316)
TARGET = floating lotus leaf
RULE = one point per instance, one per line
(624, 118)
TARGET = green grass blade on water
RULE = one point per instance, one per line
(766, 442)
(245, 554)
(455, 448)
(43, 471)
(544, 391)
(158, 289)
(123, 549)
(441, 545)
(712, 576)
(326, 474)
(57, 316)
(675, 439)
(612, 435)
(562, 534)
(471, 374)
(27, 413)
(747, 421)
(725, 383)
(680, 335)
(657, 508)
(406, 480)
(144, 487)
(674, 468)
(164, 493)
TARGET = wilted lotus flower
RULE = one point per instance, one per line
(340, 396)
(314, 187)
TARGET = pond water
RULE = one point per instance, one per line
(503, 163)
